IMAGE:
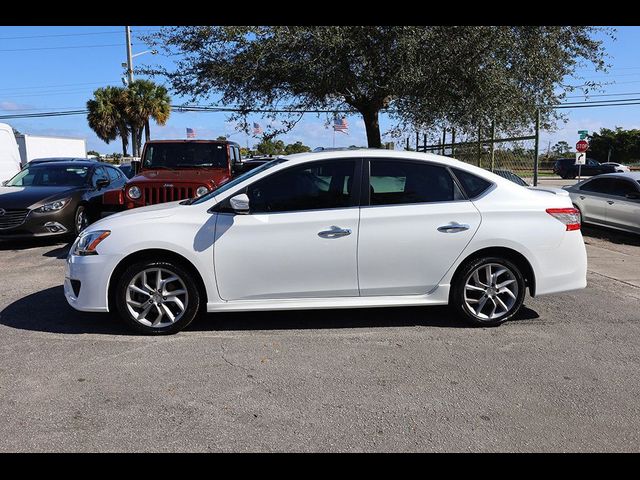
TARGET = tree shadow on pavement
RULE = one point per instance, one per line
(48, 311)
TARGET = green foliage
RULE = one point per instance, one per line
(297, 147)
(93, 152)
(623, 144)
(460, 76)
(561, 148)
(270, 147)
(221, 138)
(123, 112)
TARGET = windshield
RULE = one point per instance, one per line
(238, 179)
(185, 155)
(50, 176)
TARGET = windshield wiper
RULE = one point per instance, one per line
(152, 167)
(186, 165)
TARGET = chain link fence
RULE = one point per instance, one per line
(515, 154)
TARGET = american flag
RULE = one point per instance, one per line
(191, 133)
(340, 125)
(257, 129)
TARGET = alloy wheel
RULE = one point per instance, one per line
(490, 291)
(156, 297)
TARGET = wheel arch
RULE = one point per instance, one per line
(505, 252)
(154, 254)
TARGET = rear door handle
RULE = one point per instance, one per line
(454, 227)
(335, 232)
(581, 197)
(610, 202)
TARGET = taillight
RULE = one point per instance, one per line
(569, 216)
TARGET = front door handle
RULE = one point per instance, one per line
(610, 202)
(335, 232)
(454, 227)
(581, 197)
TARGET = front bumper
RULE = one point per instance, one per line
(93, 272)
(35, 225)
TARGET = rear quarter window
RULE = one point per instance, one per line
(472, 185)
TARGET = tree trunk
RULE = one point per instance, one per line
(371, 124)
(124, 145)
(147, 131)
(134, 141)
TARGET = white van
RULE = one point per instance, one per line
(9, 154)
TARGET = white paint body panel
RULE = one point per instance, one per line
(277, 261)
(9, 155)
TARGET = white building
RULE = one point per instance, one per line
(39, 146)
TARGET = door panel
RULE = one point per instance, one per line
(408, 234)
(281, 255)
(622, 212)
(401, 251)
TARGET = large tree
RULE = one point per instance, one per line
(616, 145)
(146, 101)
(461, 76)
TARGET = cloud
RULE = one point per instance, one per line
(13, 106)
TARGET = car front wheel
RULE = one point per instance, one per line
(488, 291)
(157, 297)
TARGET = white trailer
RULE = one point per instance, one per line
(9, 156)
(39, 146)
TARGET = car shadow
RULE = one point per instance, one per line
(610, 235)
(48, 311)
(27, 243)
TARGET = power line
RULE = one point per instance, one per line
(60, 35)
(604, 95)
(59, 48)
(54, 86)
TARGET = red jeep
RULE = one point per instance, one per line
(176, 170)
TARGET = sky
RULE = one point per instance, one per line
(58, 68)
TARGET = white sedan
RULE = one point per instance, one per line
(336, 229)
(619, 167)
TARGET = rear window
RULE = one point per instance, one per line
(473, 185)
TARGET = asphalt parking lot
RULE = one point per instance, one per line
(563, 376)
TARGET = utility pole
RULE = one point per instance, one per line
(537, 149)
(129, 58)
(127, 31)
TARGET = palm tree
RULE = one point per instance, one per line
(147, 100)
(107, 115)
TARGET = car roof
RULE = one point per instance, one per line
(630, 175)
(61, 159)
(75, 163)
(184, 140)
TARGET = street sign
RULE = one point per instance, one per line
(581, 158)
(583, 134)
(582, 146)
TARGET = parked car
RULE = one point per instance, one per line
(566, 168)
(177, 170)
(619, 167)
(37, 161)
(127, 169)
(611, 200)
(342, 229)
(509, 175)
(55, 198)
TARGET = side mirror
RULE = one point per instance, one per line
(101, 183)
(240, 204)
(633, 195)
(4, 183)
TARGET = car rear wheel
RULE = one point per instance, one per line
(157, 297)
(488, 291)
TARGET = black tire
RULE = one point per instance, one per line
(457, 297)
(80, 211)
(190, 312)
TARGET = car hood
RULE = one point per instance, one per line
(188, 175)
(26, 197)
(138, 215)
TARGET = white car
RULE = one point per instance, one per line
(619, 167)
(338, 229)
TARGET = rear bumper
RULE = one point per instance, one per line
(562, 268)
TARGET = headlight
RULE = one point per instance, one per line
(53, 206)
(134, 192)
(87, 242)
(200, 191)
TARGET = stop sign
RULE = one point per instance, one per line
(582, 146)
